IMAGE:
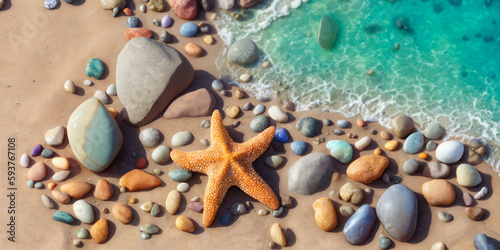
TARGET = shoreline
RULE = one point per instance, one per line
(37, 74)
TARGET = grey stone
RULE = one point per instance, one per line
(149, 75)
(259, 123)
(149, 228)
(259, 109)
(206, 5)
(165, 36)
(483, 242)
(47, 202)
(310, 173)
(243, 52)
(205, 123)
(217, 85)
(433, 131)
(248, 106)
(181, 139)
(61, 175)
(82, 233)
(150, 137)
(444, 216)
(402, 125)
(436, 170)
(111, 90)
(431, 145)
(411, 166)
(384, 242)
(308, 126)
(161, 154)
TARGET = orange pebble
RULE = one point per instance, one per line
(132, 200)
(423, 156)
(113, 112)
(141, 163)
(361, 123)
(51, 185)
(127, 11)
(377, 151)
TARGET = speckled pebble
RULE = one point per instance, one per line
(30, 184)
(444, 216)
(82, 233)
(183, 187)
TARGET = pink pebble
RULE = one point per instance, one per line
(196, 206)
(37, 172)
(468, 199)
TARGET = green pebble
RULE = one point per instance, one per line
(149, 228)
(30, 183)
(279, 212)
(47, 153)
(155, 210)
(180, 175)
(82, 233)
(38, 185)
(63, 217)
(145, 236)
(157, 171)
(95, 68)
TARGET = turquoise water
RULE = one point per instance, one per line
(436, 75)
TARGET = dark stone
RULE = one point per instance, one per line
(455, 2)
(491, 75)
(308, 126)
(400, 24)
(438, 8)
(206, 5)
(372, 28)
(488, 38)
(464, 73)
(478, 34)
(465, 38)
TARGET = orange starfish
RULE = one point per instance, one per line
(227, 164)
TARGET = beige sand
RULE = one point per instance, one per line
(41, 49)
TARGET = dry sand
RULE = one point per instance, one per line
(41, 49)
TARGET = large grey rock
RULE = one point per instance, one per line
(397, 210)
(308, 174)
(149, 75)
(243, 52)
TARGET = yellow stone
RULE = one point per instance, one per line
(233, 111)
(277, 234)
(60, 163)
(377, 151)
(76, 189)
(239, 94)
(392, 145)
(99, 231)
(184, 223)
(208, 39)
(324, 213)
(349, 192)
(213, 17)
(113, 112)
(266, 64)
(173, 201)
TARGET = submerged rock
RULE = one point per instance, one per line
(243, 52)
(327, 32)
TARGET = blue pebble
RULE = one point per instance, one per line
(280, 135)
(359, 226)
(298, 147)
(189, 29)
(342, 123)
(413, 143)
(483, 242)
(133, 22)
(95, 68)
(225, 219)
(180, 175)
(63, 217)
(50, 4)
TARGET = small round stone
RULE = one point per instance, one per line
(346, 211)
(155, 210)
(431, 145)
(411, 166)
(259, 109)
(105, 210)
(77, 242)
(245, 78)
(327, 122)
(236, 124)
(342, 123)
(263, 212)
(150, 137)
(444, 216)
(204, 142)
(259, 123)
(438, 246)
(47, 153)
(149, 228)
(180, 175)
(384, 242)
(195, 199)
(69, 86)
(123, 189)
(30, 184)
(145, 236)
(272, 245)
(205, 123)
(337, 132)
(277, 213)
(183, 187)
(147, 206)
(238, 208)
(157, 171)
(248, 106)
(217, 85)
(82, 233)
(87, 83)
(233, 111)
(38, 185)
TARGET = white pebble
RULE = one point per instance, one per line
(482, 193)
(101, 96)
(204, 142)
(111, 90)
(69, 86)
(143, 8)
(263, 212)
(87, 83)
(25, 160)
(55, 136)
(61, 175)
(194, 199)
(183, 187)
(245, 78)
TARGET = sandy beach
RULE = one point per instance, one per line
(41, 49)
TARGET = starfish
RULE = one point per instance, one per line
(227, 164)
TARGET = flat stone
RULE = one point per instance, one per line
(150, 137)
(55, 136)
(402, 126)
(173, 201)
(122, 212)
(277, 235)
(436, 170)
(449, 152)
(161, 154)
(324, 213)
(95, 68)
(433, 131)
(359, 225)
(327, 32)
(138, 180)
(277, 114)
(438, 192)
(76, 189)
(367, 168)
(183, 187)
(94, 135)
(61, 175)
(196, 206)
(242, 52)
(411, 166)
(431, 145)
(158, 70)
(103, 190)
(340, 150)
(99, 231)
(47, 153)
(182, 139)
(346, 211)
(111, 4)
(166, 21)
(180, 175)
(193, 104)
(413, 143)
(349, 192)
(248, 106)
(63, 217)
(468, 176)
(475, 213)
(397, 210)
(259, 109)
(468, 199)
(83, 211)
(308, 126)
(37, 172)
(310, 173)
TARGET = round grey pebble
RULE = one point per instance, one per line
(444, 216)
(373, 131)
(259, 109)
(384, 242)
(238, 208)
(263, 212)
(277, 213)
(145, 236)
(223, 92)
(236, 124)
(411, 166)
(38, 185)
(259, 124)
(157, 171)
(82, 233)
(263, 98)
(87, 83)
(155, 210)
(337, 132)
(165, 36)
(327, 122)
(123, 189)
(30, 184)
(247, 106)
(183, 187)
(342, 123)
(181, 139)
(101, 96)
(156, 22)
(47, 202)
(150, 137)
(205, 123)
(217, 85)
(111, 90)
(204, 142)
(431, 145)
(161, 154)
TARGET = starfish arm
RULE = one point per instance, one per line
(250, 150)
(218, 134)
(196, 161)
(252, 184)
(217, 187)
